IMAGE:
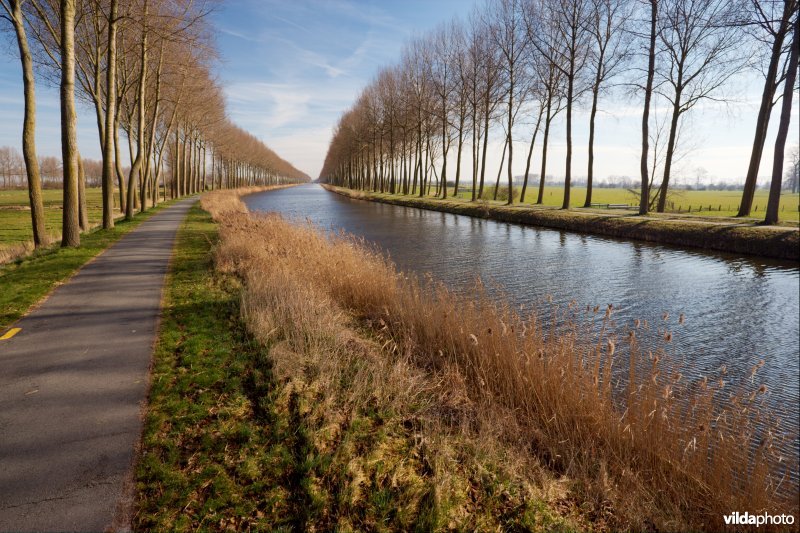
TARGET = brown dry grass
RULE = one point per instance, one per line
(661, 454)
(12, 252)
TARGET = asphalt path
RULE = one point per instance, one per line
(73, 385)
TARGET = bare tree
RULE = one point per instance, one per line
(138, 160)
(477, 61)
(544, 33)
(644, 206)
(445, 82)
(461, 96)
(610, 50)
(109, 138)
(489, 97)
(11, 166)
(700, 55)
(70, 226)
(574, 38)
(773, 203)
(769, 23)
(14, 14)
(536, 64)
(508, 35)
(539, 95)
(793, 172)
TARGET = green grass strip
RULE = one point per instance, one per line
(211, 456)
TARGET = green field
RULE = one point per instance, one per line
(15, 215)
(721, 203)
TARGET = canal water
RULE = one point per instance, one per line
(738, 310)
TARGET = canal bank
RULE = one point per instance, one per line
(741, 238)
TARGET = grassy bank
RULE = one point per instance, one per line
(26, 281)
(252, 431)
(703, 203)
(734, 236)
(411, 408)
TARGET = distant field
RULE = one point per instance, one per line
(15, 216)
(721, 203)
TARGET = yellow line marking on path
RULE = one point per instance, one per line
(10, 333)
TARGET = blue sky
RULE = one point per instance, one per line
(290, 68)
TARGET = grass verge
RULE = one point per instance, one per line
(705, 203)
(748, 237)
(25, 281)
(243, 433)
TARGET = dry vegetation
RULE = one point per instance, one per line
(13, 251)
(470, 414)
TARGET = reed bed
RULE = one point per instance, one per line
(652, 451)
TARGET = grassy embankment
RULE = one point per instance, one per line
(720, 234)
(25, 281)
(348, 397)
(703, 203)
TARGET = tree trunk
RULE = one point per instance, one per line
(673, 133)
(204, 168)
(118, 163)
(500, 170)
(509, 142)
(592, 115)
(443, 184)
(111, 100)
(151, 142)
(82, 211)
(475, 151)
(528, 161)
(485, 147)
(29, 128)
(136, 167)
(644, 205)
(568, 174)
(419, 160)
(458, 152)
(764, 112)
(548, 119)
(70, 230)
(783, 131)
